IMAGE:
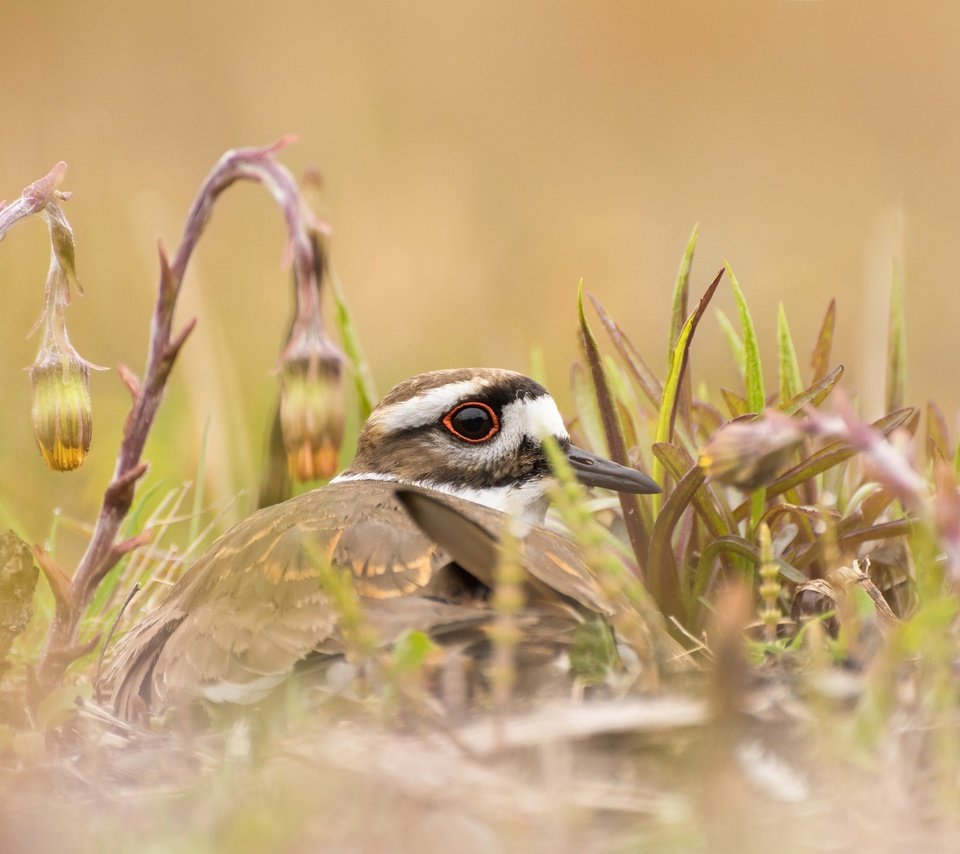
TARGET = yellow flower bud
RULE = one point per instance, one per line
(62, 410)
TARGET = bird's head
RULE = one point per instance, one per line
(477, 433)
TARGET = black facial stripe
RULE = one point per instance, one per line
(502, 393)
(527, 463)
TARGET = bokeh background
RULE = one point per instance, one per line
(480, 157)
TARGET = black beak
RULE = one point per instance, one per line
(592, 470)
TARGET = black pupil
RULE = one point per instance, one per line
(472, 422)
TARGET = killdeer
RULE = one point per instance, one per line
(465, 444)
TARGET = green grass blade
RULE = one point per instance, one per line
(630, 504)
(734, 341)
(678, 363)
(896, 345)
(820, 359)
(753, 377)
(362, 378)
(199, 480)
(753, 370)
(790, 383)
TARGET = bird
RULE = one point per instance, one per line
(442, 461)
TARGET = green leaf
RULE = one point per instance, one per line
(815, 394)
(790, 383)
(681, 292)
(753, 376)
(896, 345)
(630, 504)
(753, 370)
(362, 378)
(199, 481)
(411, 651)
(820, 360)
(662, 567)
(734, 341)
(736, 405)
(678, 363)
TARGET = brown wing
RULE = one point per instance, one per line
(469, 533)
(251, 606)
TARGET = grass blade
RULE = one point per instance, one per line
(199, 481)
(734, 341)
(896, 345)
(820, 359)
(678, 363)
(632, 517)
(790, 383)
(753, 377)
(753, 371)
(367, 396)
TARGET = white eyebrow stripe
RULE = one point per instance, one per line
(542, 417)
(428, 406)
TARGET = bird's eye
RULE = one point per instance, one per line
(473, 422)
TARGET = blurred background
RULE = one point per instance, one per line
(480, 158)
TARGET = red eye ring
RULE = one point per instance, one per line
(462, 432)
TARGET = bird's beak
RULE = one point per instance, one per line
(593, 470)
